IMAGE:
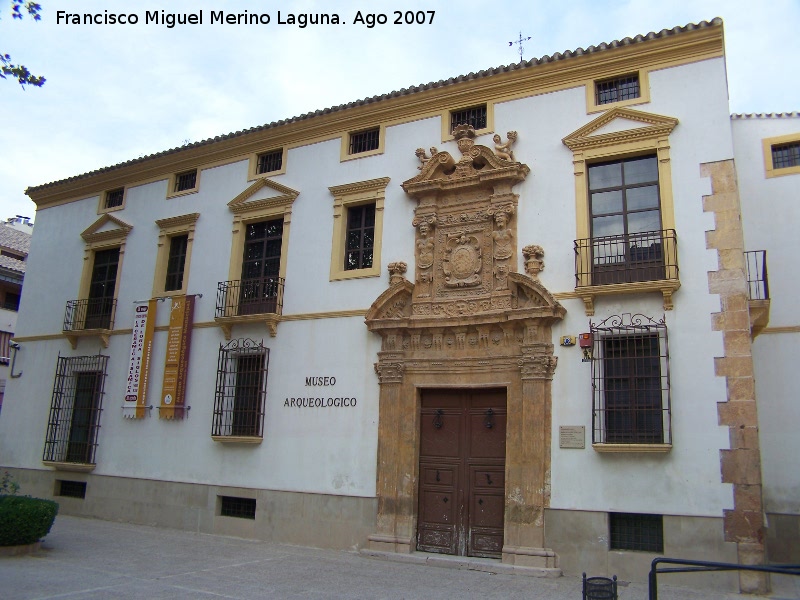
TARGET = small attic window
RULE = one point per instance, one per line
(475, 116)
(364, 141)
(114, 198)
(185, 181)
(269, 162)
(617, 89)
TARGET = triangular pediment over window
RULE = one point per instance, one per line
(620, 125)
(107, 227)
(262, 194)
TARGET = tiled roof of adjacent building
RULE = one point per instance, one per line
(533, 63)
(14, 239)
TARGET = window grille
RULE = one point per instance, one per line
(364, 141)
(360, 237)
(241, 389)
(617, 89)
(176, 262)
(185, 181)
(242, 508)
(475, 116)
(786, 155)
(71, 489)
(75, 409)
(630, 531)
(630, 381)
(114, 198)
(270, 161)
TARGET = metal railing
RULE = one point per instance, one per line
(697, 566)
(93, 313)
(756, 269)
(250, 297)
(626, 258)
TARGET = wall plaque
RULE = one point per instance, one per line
(572, 436)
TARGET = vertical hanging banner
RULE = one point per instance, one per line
(176, 364)
(144, 321)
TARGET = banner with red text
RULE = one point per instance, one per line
(141, 348)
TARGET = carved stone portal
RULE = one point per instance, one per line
(469, 319)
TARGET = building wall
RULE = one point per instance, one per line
(327, 456)
(769, 212)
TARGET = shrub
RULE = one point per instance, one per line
(25, 520)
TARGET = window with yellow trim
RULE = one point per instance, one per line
(624, 89)
(357, 229)
(183, 182)
(782, 155)
(175, 240)
(479, 116)
(266, 164)
(112, 200)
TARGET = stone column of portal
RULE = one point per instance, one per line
(393, 533)
(528, 461)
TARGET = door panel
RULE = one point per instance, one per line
(462, 472)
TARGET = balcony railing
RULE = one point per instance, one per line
(757, 280)
(627, 258)
(250, 297)
(94, 313)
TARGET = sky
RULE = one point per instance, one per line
(119, 92)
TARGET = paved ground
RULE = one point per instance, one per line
(86, 558)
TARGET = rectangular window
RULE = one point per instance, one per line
(630, 379)
(11, 301)
(114, 198)
(5, 347)
(75, 409)
(269, 161)
(176, 262)
(786, 155)
(71, 489)
(628, 531)
(475, 116)
(100, 304)
(360, 237)
(186, 180)
(241, 389)
(625, 87)
(364, 141)
(625, 210)
(242, 508)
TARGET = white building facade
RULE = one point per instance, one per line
(505, 315)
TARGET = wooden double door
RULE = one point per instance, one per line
(462, 472)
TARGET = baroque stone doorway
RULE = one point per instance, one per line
(468, 320)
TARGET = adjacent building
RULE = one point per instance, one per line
(15, 239)
(522, 314)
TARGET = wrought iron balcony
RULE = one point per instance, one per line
(88, 314)
(756, 269)
(250, 297)
(627, 258)
(755, 262)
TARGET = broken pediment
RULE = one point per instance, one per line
(393, 304)
(262, 194)
(478, 164)
(107, 227)
(620, 125)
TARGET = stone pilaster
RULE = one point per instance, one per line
(741, 464)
